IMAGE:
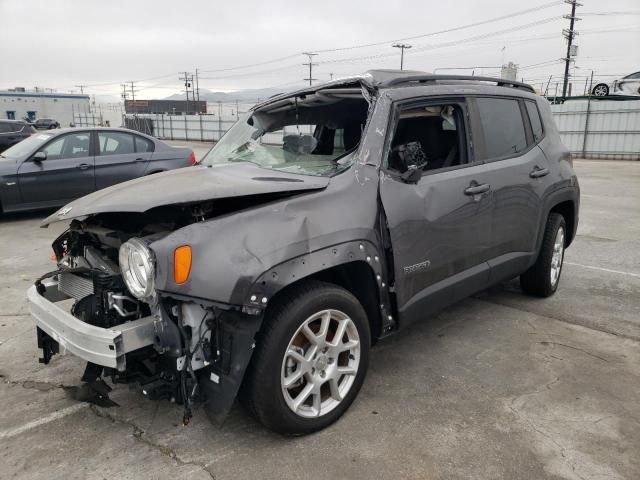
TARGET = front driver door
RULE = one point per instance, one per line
(440, 226)
(66, 173)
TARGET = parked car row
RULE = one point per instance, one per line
(50, 168)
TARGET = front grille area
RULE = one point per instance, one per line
(75, 286)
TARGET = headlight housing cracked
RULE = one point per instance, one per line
(137, 265)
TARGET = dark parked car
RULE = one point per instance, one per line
(12, 132)
(323, 221)
(51, 168)
(46, 124)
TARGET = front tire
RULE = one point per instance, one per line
(543, 277)
(310, 361)
(601, 90)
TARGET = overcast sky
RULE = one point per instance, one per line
(63, 43)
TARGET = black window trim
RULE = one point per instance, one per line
(477, 126)
(414, 102)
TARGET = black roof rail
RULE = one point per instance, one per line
(500, 82)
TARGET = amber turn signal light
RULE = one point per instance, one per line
(182, 264)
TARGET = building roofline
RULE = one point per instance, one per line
(4, 93)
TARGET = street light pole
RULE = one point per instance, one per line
(402, 47)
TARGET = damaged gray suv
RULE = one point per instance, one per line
(323, 221)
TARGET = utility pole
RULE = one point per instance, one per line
(81, 87)
(569, 35)
(188, 80)
(330, 75)
(197, 91)
(310, 55)
(402, 47)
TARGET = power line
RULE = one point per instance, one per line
(448, 30)
(386, 42)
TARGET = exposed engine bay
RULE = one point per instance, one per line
(94, 274)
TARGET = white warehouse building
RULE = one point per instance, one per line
(17, 104)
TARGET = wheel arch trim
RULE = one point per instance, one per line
(362, 252)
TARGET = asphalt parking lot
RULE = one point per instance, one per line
(500, 386)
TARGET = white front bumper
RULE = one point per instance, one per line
(102, 346)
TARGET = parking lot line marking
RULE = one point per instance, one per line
(12, 432)
(603, 269)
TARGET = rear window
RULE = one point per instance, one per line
(502, 126)
(536, 122)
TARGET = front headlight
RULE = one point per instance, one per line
(137, 268)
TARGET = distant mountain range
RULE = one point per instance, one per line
(244, 96)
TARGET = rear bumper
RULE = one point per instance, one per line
(102, 346)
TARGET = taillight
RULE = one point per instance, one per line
(192, 158)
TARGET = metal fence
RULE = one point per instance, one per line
(590, 127)
(593, 128)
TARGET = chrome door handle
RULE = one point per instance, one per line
(83, 166)
(538, 172)
(475, 189)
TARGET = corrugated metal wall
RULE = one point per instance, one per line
(600, 128)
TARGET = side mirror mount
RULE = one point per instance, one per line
(39, 157)
(413, 174)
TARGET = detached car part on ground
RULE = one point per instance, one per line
(323, 221)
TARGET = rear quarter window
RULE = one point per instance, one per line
(503, 129)
(143, 145)
(536, 121)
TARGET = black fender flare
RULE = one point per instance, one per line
(274, 280)
(553, 199)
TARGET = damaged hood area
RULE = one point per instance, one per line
(186, 186)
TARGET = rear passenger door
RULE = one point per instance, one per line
(519, 175)
(121, 156)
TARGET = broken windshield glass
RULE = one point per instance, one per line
(316, 134)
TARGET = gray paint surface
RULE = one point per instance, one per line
(501, 386)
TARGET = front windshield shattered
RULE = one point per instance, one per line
(314, 134)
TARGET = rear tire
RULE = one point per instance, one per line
(543, 277)
(297, 352)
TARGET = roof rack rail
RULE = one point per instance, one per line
(500, 82)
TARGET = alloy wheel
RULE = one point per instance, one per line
(557, 256)
(320, 363)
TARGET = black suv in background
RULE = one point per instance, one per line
(12, 132)
(324, 220)
(46, 124)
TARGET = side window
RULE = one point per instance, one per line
(69, 146)
(115, 143)
(143, 145)
(536, 122)
(429, 138)
(502, 126)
